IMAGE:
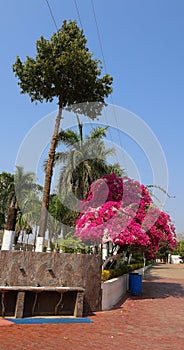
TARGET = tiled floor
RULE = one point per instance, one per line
(153, 321)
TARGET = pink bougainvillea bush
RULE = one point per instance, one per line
(121, 210)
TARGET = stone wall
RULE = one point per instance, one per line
(20, 268)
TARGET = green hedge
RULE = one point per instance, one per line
(109, 274)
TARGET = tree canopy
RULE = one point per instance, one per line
(83, 159)
(121, 210)
(63, 68)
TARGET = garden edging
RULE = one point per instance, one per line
(112, 290)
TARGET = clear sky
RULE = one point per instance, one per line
(143, 46)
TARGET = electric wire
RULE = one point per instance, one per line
(103, 56)
(105, 69)
(78, 13)
(80, 21)
(98, 34)
(51, 13)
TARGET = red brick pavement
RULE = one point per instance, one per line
(153, 321)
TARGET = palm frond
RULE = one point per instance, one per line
(98, 133)
(68, 137)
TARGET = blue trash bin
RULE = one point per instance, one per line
(135, 283)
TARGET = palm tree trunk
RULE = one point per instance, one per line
(47, 184)
(35, 235)
(9, 232)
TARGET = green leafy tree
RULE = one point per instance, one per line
(72, 244)
(179, 249)
(164, 250)
(64, 69)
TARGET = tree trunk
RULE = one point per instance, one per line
(47, 184)
(129, 258)
(9, 232)
(35, 236)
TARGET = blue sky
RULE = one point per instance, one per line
(143, 46)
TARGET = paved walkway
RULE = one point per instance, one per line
(154, 321)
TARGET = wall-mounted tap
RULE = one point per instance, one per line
(50, 269)
(22, 270)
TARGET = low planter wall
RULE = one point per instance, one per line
(114, 289)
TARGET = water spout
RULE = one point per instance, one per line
(21, 268)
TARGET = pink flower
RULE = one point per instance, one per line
(123, 210)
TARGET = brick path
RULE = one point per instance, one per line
(153, 321)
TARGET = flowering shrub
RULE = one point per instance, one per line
(122, 211)
(109, 274)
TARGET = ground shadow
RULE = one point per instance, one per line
(164, 271)
(155, 289)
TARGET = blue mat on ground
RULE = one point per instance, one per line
(49, 320)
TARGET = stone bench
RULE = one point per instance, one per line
(20, 301)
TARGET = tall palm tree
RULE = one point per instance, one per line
(7, 191)
(22, 227)
(31, 209)
(84, 160)
(20, 184)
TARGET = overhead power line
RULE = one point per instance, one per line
(105, 68)
(78, 13)
(99, 36)
(51, 13)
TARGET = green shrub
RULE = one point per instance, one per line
(109, 274)
(72, 245)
